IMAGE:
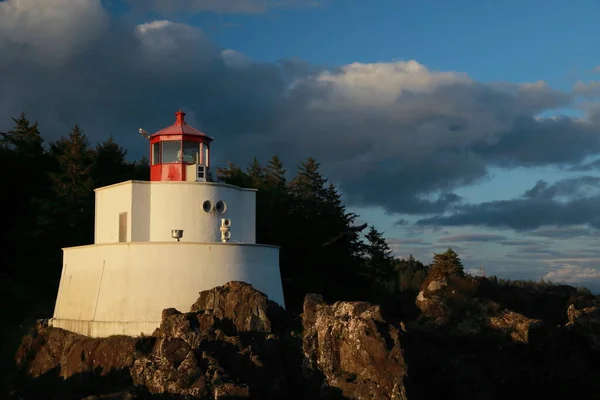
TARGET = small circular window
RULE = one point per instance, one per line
(207, 206)
(221, 207)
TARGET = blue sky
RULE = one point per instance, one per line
(389, 83)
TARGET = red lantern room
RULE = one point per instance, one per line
(179, 153)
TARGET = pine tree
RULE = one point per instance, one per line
(23, 158)
(141, 169)
(316, 215)
(444, 265)
(380, 264)
(275, 202)
(24, 139)
(233, 175)
(109, 164)
(255, 174)
(275, 173)
(411, 273)
(73, 209)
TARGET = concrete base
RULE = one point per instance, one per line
(104, 329)
(122, 288)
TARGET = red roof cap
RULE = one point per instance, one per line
(180, 127)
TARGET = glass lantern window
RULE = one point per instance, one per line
(171, 151)
(191, 152)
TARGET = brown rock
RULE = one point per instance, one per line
(248, 309)
(73, 354)
(585, 323)
(355, 350)
(518, 326)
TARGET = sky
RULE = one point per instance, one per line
(467, 124)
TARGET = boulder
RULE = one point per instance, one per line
(358, 354)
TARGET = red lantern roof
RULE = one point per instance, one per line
(180, 127)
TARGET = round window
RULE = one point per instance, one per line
(221, 207)
(207, 206)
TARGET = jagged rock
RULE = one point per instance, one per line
(248, 309)
(518, 326)
(71, 354)
(356, 351)
(585, 323)
(235, 343)
(201, 353)
(436, 285)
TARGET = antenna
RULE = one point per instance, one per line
(145, 134)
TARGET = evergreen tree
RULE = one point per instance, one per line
(141, 170)
(444, 265)
(109, 165)
(379, 256)
(275, 202)
(380, 265)
(23, 158)
(411, 273)
(317, 214)
(233, 175)
(255, 174)
(73, 209)
(24, 139)
(275, 174)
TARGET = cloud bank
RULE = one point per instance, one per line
(398, 135)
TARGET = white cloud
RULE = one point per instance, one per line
(379, 85)
(235, 59)
(574, 274)
(167, 36)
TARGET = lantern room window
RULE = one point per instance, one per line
(171, 152)
(156, 153)
(191, 152)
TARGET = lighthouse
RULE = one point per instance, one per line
(158, 243)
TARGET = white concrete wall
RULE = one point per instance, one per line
(248, 208)
(156, 208)
(110, 202)
(140, 213)
(122, 288)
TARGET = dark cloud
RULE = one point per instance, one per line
(408, 241)
(395, 135)
(521, 242)
(473, 237)
(568, 232)
(573, 201)
(586, 167)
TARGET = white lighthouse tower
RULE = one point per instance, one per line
(157, 244)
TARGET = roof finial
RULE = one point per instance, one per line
(180, 120)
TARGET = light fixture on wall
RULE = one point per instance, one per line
(225, 230)
(177, 234)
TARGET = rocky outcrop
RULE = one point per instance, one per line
(233, 343)
(236, 343)
(357, 352)
(225, 346)
(585, 323)
(517, 326)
